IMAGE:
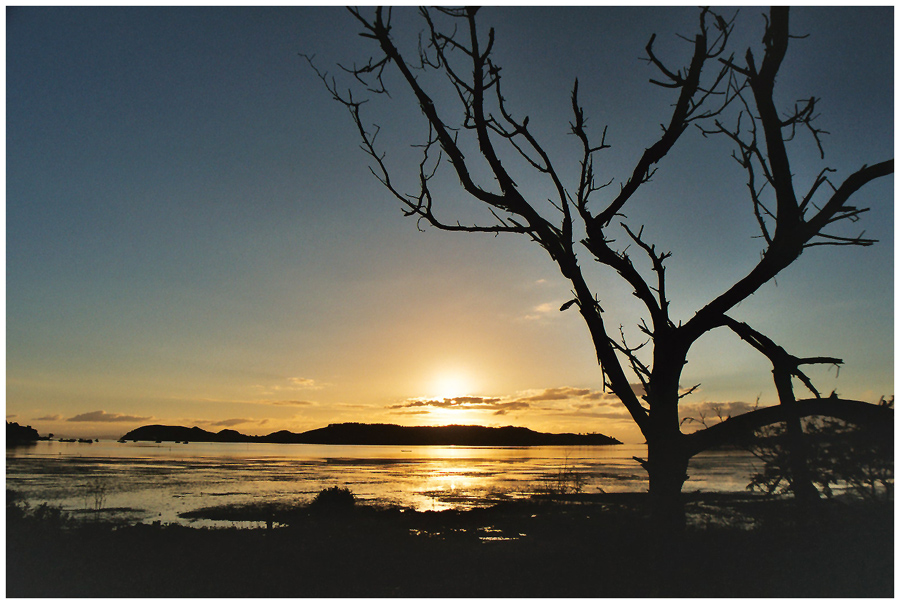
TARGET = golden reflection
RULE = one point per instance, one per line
(453, 478)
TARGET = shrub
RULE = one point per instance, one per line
(335, 498)
(839, 455)
(23, 518)
(565, 481)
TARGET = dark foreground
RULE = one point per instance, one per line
(598, 547)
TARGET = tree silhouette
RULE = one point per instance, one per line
(724, 96)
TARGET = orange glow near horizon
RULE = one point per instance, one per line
(457, 416)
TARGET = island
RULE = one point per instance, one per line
(21, 435)
(378, 434)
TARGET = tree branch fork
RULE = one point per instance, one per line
(705, 91)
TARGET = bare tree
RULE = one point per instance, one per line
(580, 218)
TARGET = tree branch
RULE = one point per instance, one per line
(877, 417)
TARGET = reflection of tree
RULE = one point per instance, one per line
(838, 454)
(726, 97)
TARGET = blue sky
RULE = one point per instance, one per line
(193, 235)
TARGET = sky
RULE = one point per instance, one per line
(193, 236)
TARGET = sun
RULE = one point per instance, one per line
(451, 385)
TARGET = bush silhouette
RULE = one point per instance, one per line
(333, 499)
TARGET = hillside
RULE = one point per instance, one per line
(379, 434)
(180, 433)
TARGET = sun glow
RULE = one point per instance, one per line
(451, 385)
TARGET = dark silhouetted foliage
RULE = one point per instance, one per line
(333, 499)
(840, 455)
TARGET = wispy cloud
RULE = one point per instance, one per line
(559, 401)
(264, 401)
(103, 416)
(559, 394)
(567, 393)
(711, 412)
(232, 422)
(543, 311)
(504, 408)
(49, 418)
(495, 404)
(291, 384)
(288, 403)
(302, 382)
(410, 412)
(446, 403)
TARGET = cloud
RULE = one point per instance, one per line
(49, 418)
(713, 412)
(263, 401)
(103, 416)
(504, 408)
(293, 383)
(446, 403)
(352, 406)
(301, 382)
(499, 406)
(565, 393)
(410, 412)
(610, 413)
(232, 422)
(543, 311)
(562, 400)
(558, 394)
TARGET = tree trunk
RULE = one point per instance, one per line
(666, 464)
(667, 457)
(805, 492)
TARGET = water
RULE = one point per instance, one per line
(145, 482)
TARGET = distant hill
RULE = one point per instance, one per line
(379, 434)
(180, 433)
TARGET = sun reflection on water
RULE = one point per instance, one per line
(158, 483)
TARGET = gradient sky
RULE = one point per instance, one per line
(193, 236)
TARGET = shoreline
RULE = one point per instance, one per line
(593, 547)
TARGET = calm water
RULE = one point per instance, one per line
(147, 482)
